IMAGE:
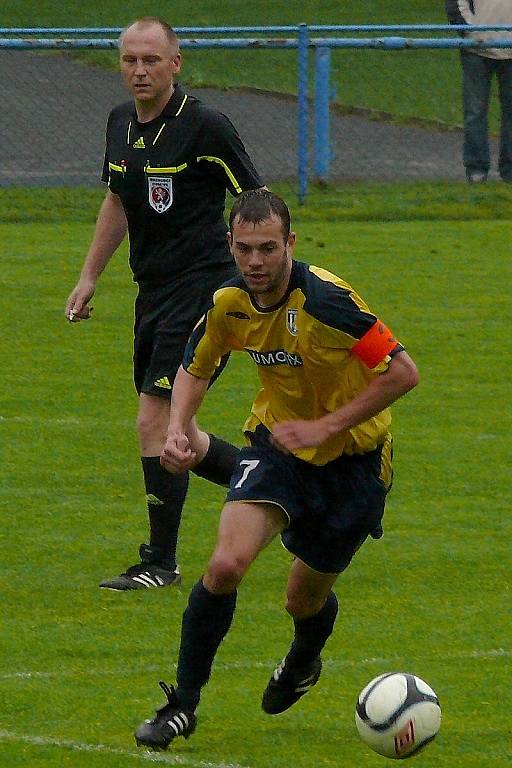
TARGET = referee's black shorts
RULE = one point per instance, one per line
(331, 509)
(164, 319)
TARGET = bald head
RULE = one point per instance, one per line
(156, 26)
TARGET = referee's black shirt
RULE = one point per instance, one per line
(171, 175)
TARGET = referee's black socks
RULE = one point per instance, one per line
(219, 462)
(165, 496)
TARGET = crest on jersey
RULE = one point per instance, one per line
(160, 193)
(291, 321)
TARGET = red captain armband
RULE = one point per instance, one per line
(376, 343)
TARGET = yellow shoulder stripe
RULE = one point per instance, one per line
(229, 174)
(181, 105)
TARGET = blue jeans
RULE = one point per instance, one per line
(477, 76)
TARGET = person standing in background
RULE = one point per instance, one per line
(478, 67)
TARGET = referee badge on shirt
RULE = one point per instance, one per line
(160, 193)
(291, 321)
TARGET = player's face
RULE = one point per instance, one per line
(149, 62)
(263, 257)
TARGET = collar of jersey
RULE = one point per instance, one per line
(171, 109)
(292, 284)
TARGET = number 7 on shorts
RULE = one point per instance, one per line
(250, 464)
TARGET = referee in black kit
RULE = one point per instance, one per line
(168, 162)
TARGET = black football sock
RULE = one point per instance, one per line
(311, 634)
(165, 496)
(218, 464)
(206, 621)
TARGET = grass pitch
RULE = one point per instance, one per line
(79, 666)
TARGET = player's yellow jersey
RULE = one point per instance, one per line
(315, 350)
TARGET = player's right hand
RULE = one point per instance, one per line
(177, 456)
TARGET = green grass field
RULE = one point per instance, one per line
(51, 13)
(79, 667)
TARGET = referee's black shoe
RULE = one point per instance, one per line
(170, 721)
(154, 570)
(288, 683)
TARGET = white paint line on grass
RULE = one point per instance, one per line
(154, 757)
(492, 653)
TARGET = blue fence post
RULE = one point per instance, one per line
(302, 111)
(322, 141)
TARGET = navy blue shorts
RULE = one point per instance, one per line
(331, 509)
(164, 319)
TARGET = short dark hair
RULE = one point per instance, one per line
(257, 205)
(148, 20)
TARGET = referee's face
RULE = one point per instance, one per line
(149, 62)
(263, 257)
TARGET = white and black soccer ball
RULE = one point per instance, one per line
(397, 714)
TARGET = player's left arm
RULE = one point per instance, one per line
(399, 378)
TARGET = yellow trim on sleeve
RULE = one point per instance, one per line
(120, 168)
(229, 174)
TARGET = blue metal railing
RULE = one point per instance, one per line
(302, 113)
(293, 29)
(22, 38)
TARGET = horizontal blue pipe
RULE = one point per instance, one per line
(396, 43)
(265, 29)
(99, 44)
(404, 27)
(118, 30)
(38, 43)
(385, 43)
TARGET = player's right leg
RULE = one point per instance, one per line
(244, 530)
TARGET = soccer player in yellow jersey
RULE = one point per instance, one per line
(317, 466)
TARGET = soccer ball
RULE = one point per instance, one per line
(397, 714)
